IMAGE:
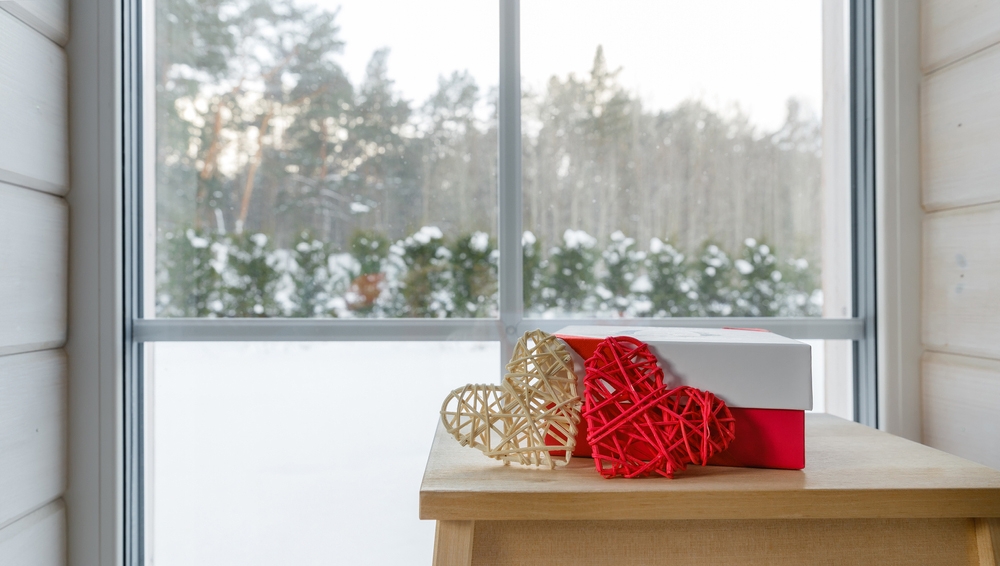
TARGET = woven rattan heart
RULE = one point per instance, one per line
(637, 425)
(531, 417)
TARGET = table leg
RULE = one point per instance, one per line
(453, 543)
(988, 541)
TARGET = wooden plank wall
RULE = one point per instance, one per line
(34, 243)
(960, 174)
(33, 108)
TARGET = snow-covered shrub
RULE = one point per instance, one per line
(668, 287)
(570, 284)
(312, 284)
(533, 271)
(621, 268)
(759, 285)
(713, 271)
(801, 293)
(370, 252)
(474, 276)
(188, 278)
(427, 278)
(250, 278)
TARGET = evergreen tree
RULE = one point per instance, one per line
(425, 284)
(714, 282)
(571, 279)
(188, 280)
(370, 251)
(621, 265)
(474, 276)
(311, 278)
(250, 278)
(533, 271)
(800, 292)
(759, 286)
(671, 290)
(380, 173)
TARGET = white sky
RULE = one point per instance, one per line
(754, 54)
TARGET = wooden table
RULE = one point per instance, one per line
(865, 497)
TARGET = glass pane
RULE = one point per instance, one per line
(685, 158)
(324, 158)
(295, 453)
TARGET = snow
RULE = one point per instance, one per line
(528, 238)
(656, 246)
(296, 453)
(359, 208)
(576, 239)
(196, 241)
(426, 234)
(743, 266)
(480, 241)
(259, 240)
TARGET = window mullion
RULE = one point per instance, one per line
(509, 176)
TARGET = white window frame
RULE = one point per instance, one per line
(104, 497)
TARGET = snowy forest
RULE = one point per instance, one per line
(282, 189)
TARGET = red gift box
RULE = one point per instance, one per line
(766, 436)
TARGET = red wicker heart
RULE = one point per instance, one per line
(637, 425)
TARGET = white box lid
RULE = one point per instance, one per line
(744, 368)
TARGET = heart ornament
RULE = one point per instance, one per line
(637, 425)
(531, 417)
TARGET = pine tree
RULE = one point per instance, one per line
(714, 279)
(474, 276)
(621, 266)
(759, 285)
(188, 280)
(311, 278)
(250, 278)
(800, 293)
(370, 251)
(671, 290)
(533, 271)
(570, 285)
(424, 286)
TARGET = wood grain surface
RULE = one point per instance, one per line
(48, 17)
(34, 273)
(751, 542)
(953, 29)
(851, 472)
(38, 539)
(34, 109)
(959, 141)
(453, 543)
(961, 281)
(33, 435)
(961, 401)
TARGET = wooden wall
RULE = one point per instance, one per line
(34, 242)
(960, 171)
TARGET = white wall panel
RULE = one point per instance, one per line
(33, 108)
(953, 29)
(960, 133)
(33, 431)
(961, 403)
(961, 281)
(34, 232)
(38, 539)
(48, 17)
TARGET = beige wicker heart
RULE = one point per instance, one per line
(532, 414)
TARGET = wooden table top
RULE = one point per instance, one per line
(851, 471)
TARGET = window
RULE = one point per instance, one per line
(338, 215)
